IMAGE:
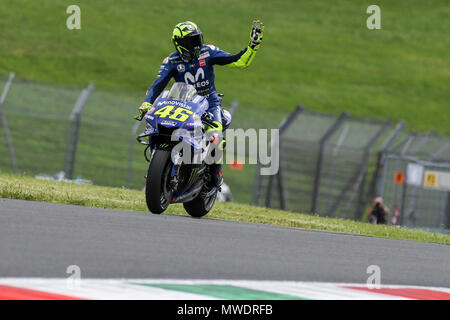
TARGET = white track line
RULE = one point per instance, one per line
(123, 289)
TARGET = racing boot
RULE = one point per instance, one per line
(216, 175)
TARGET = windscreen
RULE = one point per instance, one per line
(181, 91)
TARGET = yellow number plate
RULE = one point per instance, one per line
(179, 114)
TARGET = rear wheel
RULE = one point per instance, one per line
(200, 206)
(157, 191)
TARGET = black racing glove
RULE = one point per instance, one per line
(256, 35)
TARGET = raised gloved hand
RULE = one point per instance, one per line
(256, 35)
(143, 109)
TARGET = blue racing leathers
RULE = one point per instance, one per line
(200, 73)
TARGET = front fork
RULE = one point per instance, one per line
(174, 176)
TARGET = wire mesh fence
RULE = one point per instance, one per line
(103, 147)
(6, 140)
(334, 166)
(37, 119)
(325, 164)
(414, 181)
(81, 132)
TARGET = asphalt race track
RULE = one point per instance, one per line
(42, 240)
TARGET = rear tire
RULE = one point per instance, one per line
(157, 191)
(199, 206)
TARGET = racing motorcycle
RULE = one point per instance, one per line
(179, 116)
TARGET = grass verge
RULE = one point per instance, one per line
(27, 188)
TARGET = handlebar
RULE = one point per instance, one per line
(208, 122)
(140, 137)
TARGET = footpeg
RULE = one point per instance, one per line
(209, 193)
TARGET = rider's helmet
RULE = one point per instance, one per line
(188, 39)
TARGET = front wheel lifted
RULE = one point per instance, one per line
(157, 191)
(200, 206)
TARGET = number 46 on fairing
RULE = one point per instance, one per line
(179, 114)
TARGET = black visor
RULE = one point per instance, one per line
(192, 43)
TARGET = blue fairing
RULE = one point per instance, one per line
(198, 105)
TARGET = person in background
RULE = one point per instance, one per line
(377, 213)
(412, 219)
(396, 216)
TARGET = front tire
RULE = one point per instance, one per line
(157, 191)
(199, 206)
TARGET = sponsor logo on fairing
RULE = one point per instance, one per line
(168, 123)
(176, 103)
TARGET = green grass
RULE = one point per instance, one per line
(316, 52)
(319, 53)
(26, 188)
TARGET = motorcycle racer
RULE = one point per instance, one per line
(192, 63)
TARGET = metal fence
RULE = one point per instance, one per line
(37, 123)
(414, 180)
(12, 156)
(46, 130)
(325, 164)
(334, 166)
